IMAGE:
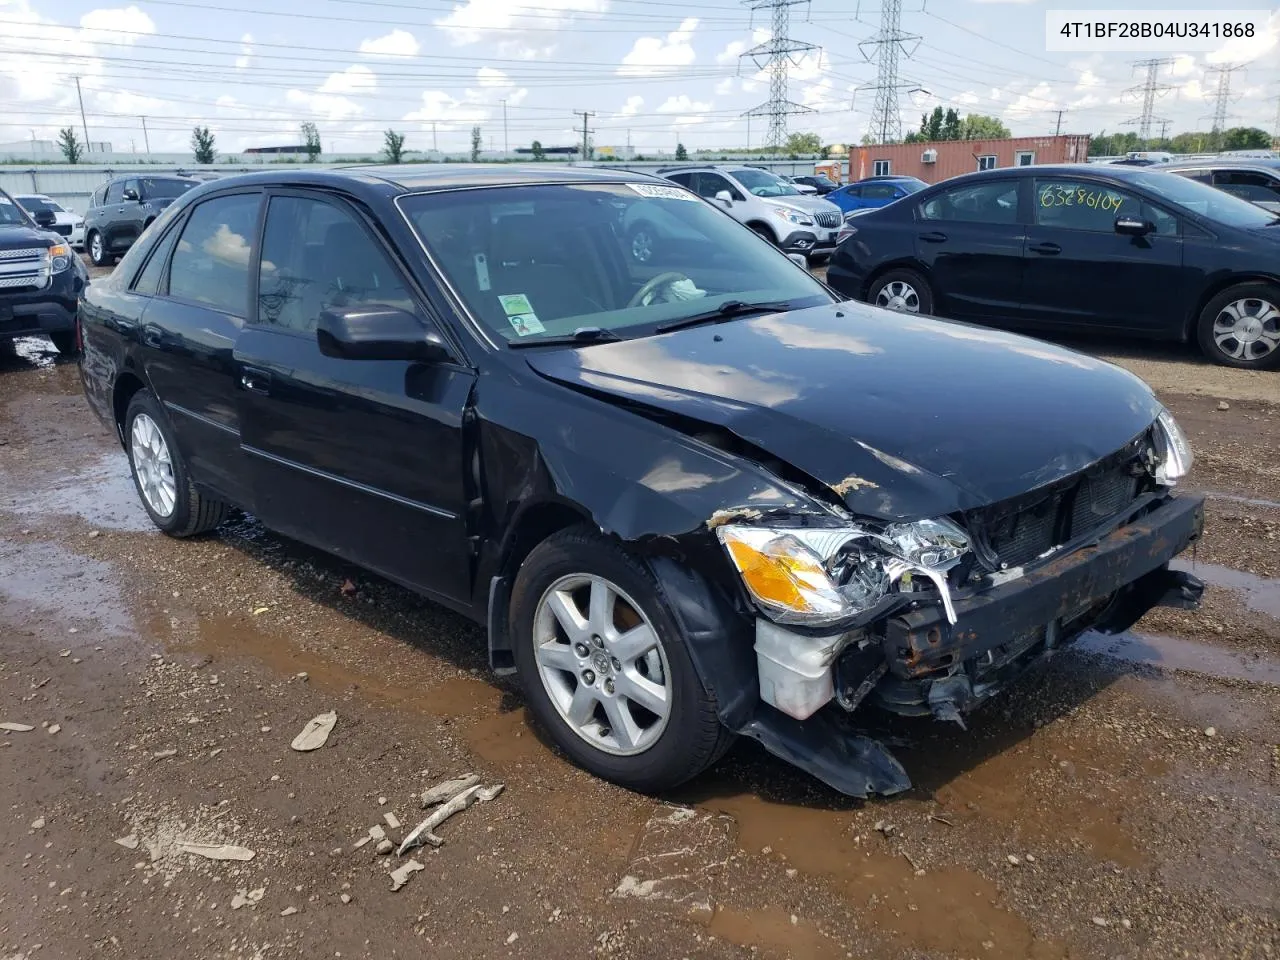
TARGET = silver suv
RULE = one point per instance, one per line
(768, 204)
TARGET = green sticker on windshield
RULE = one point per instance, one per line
(515, 303)
(520, 314)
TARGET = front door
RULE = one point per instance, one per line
(970, 238)
(1080, 272)
(362, 458)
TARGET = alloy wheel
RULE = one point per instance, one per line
(153, 465)
(95, 248)
(641, 246)
(899, 295)
(602, 664)
(1247, 329)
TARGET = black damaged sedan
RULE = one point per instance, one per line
(688, 500)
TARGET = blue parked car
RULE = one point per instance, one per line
(874, 192)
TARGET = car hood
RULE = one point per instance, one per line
(809, 203)
(903, 417)
(19, 236)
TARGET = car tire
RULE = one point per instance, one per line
(64, 341)
(906, 288)
(160, 474)
(642, 243)
(574, 697)
(97, 247)
(764, 232)
(1240, 327)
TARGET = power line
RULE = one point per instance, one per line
(886, 116)
(1150, 90)
(779, 53)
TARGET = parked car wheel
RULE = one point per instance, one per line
(902, 290)
(98, 250)
(643, 243)
(604, 668)
(160, 474)
(1240, 327)
(64, 342)
(764, 232)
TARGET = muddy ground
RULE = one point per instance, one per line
(1122, 802)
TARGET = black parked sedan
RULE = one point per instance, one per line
(688, 501)
(1074, 248)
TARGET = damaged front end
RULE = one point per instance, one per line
(933, 617)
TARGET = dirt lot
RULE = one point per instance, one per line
(1122, 802)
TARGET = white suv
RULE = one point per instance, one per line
(768, 204)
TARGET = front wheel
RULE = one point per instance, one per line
(1240, 327)
(98, 250)
(904, 291)
(604, 668)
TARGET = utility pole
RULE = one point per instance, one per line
(586, 145)
(886, 116)
(1057, 131)
(1164, 130)
(775, 55)
(1221, 98)
(434, 146)
(506, 144)
(84, 124)
(145, 139)
(1150, 90)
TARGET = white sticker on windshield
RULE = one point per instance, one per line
(659, 192)
(482, 271)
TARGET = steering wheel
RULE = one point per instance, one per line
(655, 284)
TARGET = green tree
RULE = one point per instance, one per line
(475, 144)
(70, 145)
(681, 152)
(1246, 138)
(538, 152)
(311, 138)
(931, 127)
(800, 144)
(952, 128)
(392, 146)
(202, 145)
(979, 126)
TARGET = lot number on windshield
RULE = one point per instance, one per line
(1080, 197)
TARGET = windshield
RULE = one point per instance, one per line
(543, 261)
(155, 188)
(762, 183)
(10, 215)
(912, 186)
(36, 204)
(824, 181)
(1209, 202)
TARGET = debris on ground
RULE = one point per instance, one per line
(361, 842)
(216, 851)
(37, 823)
(54, 728)
(129, 842)
(315, 733)
(288, 911)
(244, 897)
(448, 790)
(392, 820)
(164, 754)
(16, 727)
(377, 833)
(400, 876)
(422, 832)
(385, 846)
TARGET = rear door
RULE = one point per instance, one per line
(132, 213)
(363, 458)
(111, 213)
(970, 237)
(879, 194)
(1081, 273)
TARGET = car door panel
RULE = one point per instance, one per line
(1081, 273)
(362, 458)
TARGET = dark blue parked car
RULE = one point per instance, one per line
(874, 192)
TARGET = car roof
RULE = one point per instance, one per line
(427, 177)
(1225, 163)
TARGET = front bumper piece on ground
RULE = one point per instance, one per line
(919, 663)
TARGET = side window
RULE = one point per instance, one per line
(879, 191)
(1078, 205)
(316, 256)
(131, 185)
(684, 179)
(1200, 176)
(1248, 186)
(880, 168)
(115, 191)
(995, 201)
(211, 262)
(148, 281)
(709, 184)
(988, 161)
(96, 200)
(1166, 223)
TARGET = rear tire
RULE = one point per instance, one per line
(1240, 327)
(903, 291)
(657, 751)
(65, 342)
(160, 474)
(97, 247)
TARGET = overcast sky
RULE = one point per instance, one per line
(657, 71)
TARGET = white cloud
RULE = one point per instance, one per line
(652, 56)
(355, 79)
(732, 52)
(1183, 66)
(691, 111)
(474, 20)
(332, 100)
(1088, 79)
(117, 25)
(1245, 49)
(489, 77)
(724, 87)
(1036, 101)
(632, 106)
(397, 43)
(246, 51)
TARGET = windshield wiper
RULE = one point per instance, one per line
(726, 311)
(581, 335)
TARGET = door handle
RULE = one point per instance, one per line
(933, 236)
(1049, 249)
(256, 381)
(151, 335)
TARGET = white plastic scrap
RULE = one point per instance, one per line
(16, 727)
(392, 820)
(422, 832)
(129, 842)
(216, 851)
(400, 876)
(448, 790)
(245, 897)
(315, 733)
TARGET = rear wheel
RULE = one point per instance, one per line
(98, 250)
(1240, 327)
(65, 342)
(902, 290)
(604, 668)
(160, 475)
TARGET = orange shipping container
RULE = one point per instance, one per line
(943, 159)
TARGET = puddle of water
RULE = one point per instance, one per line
(1173, 653)
(1261, 594)
(1251, 501)
(37, 351)
(64, 585)
(103, 495)
(772, 930)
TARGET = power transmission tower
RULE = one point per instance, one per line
(1221, 98)
(886, 117)
(1150, 91)
(1275, 136)
(775, 55)
(586, 143)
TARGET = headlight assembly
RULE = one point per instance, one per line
(1175, 452)
(816, 576)
(793, 216)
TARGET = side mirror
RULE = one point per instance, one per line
(44, 218)
(1133, 227)
(376, 331)
(130, 193)
(724, 198)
